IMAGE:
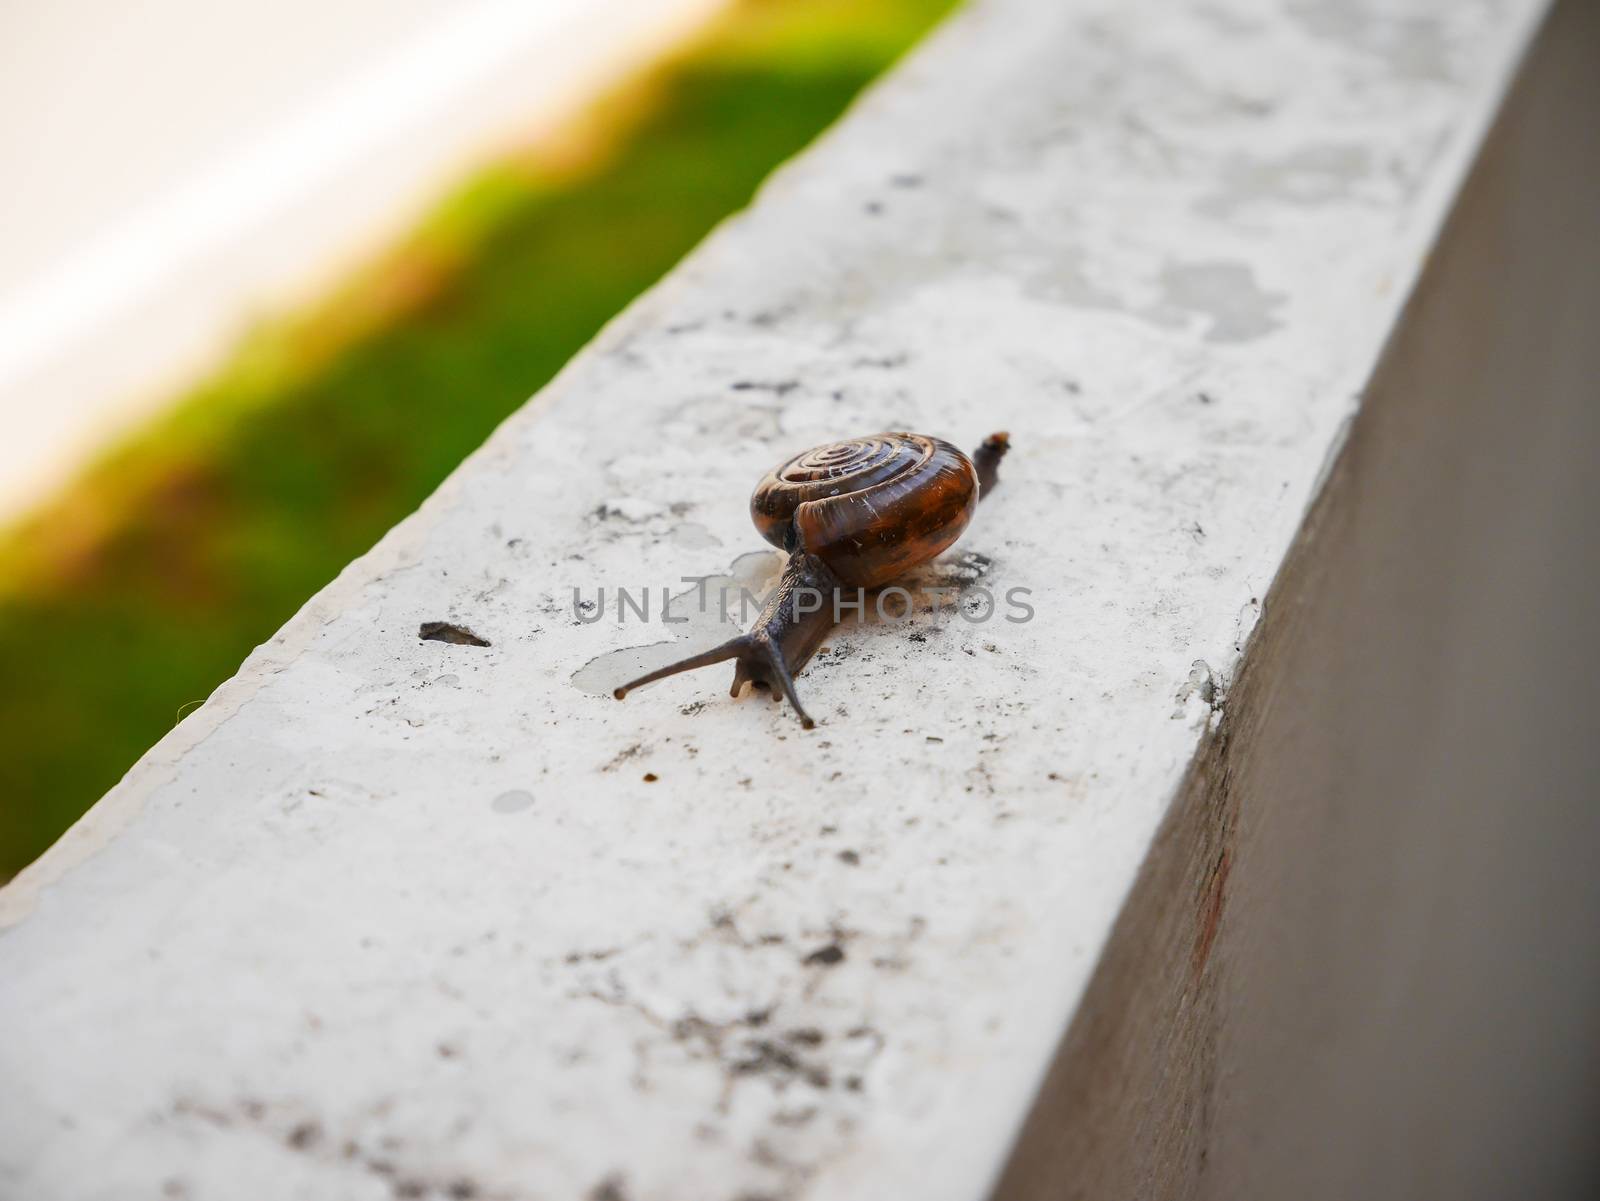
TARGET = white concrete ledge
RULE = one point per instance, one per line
(391, 917)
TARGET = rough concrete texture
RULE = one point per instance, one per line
(409, 917)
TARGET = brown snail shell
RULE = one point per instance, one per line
(870, 508)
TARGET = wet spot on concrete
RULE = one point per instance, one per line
(1223, 294)
(691, 535)
(514, 801)
(704, 614)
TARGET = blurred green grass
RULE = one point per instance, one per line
(141, 588)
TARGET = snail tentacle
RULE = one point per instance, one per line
(780, 673)
(986, 459)
(731, 649)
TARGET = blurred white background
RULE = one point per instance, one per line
(173, 167)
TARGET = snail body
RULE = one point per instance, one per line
(855, 514)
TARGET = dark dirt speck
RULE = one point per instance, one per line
(780, 387)
(444, 631)
(825, 956)
(767, 1056)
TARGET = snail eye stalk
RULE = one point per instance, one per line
(987, 461)
(734, 648)
(780, 672)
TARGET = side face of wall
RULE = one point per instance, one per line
(1362, 959)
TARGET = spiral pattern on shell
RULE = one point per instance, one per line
(870, 508)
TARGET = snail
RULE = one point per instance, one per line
(855, 514)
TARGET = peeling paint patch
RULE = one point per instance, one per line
(1410, 45)
(1309, 176)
